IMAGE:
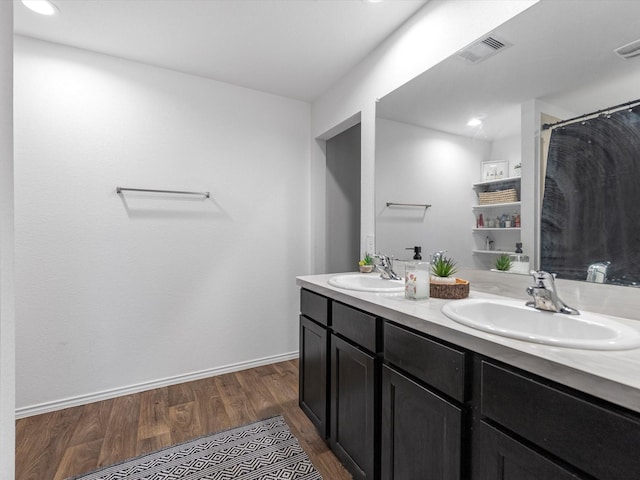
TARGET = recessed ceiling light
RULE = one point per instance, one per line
(43, 7)
(474, 122)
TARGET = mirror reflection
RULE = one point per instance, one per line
(553, 62)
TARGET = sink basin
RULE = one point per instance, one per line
(364, 282)
(515, 320)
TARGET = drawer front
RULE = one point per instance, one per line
(314, 306)
(436, 364)
(357, 326)
(601, 442)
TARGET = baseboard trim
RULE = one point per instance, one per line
(47, 407)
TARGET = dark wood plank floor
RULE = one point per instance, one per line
(76, 440)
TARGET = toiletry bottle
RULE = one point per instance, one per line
(480, 221)
(416, 280)
(416, 252)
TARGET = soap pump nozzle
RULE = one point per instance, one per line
(416, 252)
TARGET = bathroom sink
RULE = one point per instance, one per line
(365, 282)
(515, 320)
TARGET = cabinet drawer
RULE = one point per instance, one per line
(600, 441)
(436, 364)
(357, 326)
(314, 306)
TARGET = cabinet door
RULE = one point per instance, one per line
(421, 432)
(503, 458)
(352, 435)
(313, 393)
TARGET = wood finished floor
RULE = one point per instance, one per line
(76, 440)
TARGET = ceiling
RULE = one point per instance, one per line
(294, 48)
(562, 54)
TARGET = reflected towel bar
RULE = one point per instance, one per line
(122, 189)
(393, 204)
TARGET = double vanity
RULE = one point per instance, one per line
(401, 390)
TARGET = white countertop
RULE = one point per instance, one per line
(610, 375)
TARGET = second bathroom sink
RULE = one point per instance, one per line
(512, 318)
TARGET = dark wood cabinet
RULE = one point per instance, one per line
(353, 410)
(588, 434)
(398, 404)
(314, 361)
(503, 458)
(353, 407)
(421, 431)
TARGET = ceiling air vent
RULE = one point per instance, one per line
(483, 49)
(629, 50)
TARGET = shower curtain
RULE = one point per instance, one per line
(591, 203)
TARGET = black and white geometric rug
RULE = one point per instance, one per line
(264, 450)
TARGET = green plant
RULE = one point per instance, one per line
(443, 267)
(367, 260)
(503, 263)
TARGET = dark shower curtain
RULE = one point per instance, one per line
(591, 204)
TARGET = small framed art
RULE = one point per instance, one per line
(495, 170)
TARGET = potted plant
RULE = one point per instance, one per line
(518, 169)
(503, 263)
(366, 264)
(443, 283)
(443, 269)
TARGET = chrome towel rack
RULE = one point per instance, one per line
(151, 190)
(394, 204)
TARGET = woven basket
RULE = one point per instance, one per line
(450, 291)
(502, 196)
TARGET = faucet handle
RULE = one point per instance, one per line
(544, 279)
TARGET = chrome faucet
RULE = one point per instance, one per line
(437, 256)
(545, 296)
(385, 267)
(597, 272)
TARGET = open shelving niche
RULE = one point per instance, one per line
(512, 232)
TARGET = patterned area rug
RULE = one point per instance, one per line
(265, 450)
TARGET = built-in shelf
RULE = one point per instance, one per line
(497, 205)
(509, 272)
(496, 235)
(497, 229)
(489, 183)
(493, 252)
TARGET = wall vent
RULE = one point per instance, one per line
(630, 50)
(483, 49)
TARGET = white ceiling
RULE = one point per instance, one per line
(562, 54)
(293, 48)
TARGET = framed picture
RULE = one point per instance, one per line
(495, 170)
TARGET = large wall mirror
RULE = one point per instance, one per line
(555, 61)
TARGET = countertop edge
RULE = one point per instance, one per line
(512, 352)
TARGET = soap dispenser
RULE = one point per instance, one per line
(416, 252)
(416, 280)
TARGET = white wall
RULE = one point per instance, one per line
(438, 30)
(509, 149)
(140, 289)
(7, 314)
(420, 165)
(343, 200)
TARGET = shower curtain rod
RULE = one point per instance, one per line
(547, 126)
